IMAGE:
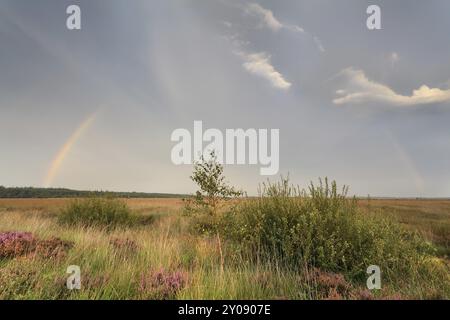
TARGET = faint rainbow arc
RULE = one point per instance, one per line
(65, 149)
(408, 162)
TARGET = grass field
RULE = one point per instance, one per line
(165, 260)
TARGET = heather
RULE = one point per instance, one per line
(17, 244)
(161, 284)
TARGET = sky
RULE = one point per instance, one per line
(94, 109)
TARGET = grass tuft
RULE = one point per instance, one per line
(97, 212)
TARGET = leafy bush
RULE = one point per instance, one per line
(102, 212)
(321, 228)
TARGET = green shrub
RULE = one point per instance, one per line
(204, 224)
(103, 212)
(322, 228)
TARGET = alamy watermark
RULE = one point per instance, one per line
(74, 280)
(374, 280)
(73, 21)
(374, 20)
(234, 146)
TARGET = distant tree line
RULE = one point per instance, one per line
(30, 192)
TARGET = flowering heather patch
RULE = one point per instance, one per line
(14, 244)
(364, 294)
(162, 284)
(52, 248)
(88, 281)
(332, 286)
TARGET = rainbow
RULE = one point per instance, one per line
(65, 149)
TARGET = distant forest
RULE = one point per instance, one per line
(29, 192)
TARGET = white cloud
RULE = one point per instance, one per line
(359, 89)
(268, 20)
(259, 64)
(265, 15)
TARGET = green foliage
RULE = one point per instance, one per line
(103, 212)
(322, 228)
(205, 224)
(209, 177)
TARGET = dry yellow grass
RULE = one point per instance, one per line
(134, 203)
(430, 217)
